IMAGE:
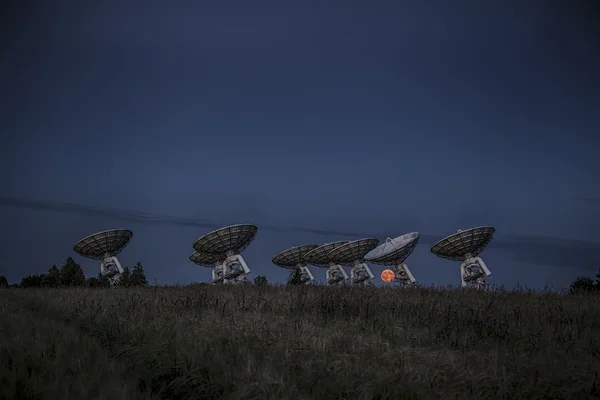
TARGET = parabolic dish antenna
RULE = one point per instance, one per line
(353, 251)
(294, 256)
(207, 260)
(466, 246)
(395, 252)
(214, 261)
(353, 254)
(293, 259)
(229, 241)
(319, 256)
(105, 246)
(469, 242)
(101, 244)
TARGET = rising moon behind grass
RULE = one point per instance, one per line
(387, 275)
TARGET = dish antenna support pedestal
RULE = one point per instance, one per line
(111, 269)
(474, 271)
(293, 259)
(393, 252)
(228, 243)
(361, 274)
(353, 254)
(104, 246)
(335, 274)
(215, 262)
(217, 274)
(232, 274)
(403, 275)
(466, 246)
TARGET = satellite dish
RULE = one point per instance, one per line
(214, 261)
(230, 241)
(394, 252)
(466, 246)
(293, 259)
(105, 246)
(353, 254)
(335, 274)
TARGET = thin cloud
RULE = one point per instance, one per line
(536, 250)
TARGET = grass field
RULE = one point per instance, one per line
(211, 342)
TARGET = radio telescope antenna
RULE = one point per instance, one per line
(466, 246)
(230, 241)
(213, 261)
(293, 259)
(352, 254)
(394, 252)
(335, 274)
(104, 246)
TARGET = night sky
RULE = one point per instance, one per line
(372, 117)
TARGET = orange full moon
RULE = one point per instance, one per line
(387, 275)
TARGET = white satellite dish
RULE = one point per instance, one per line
(394, 252)
(230, 241)
(213, 261)
(335, 274)
(466, 246)
(352, 254)
(105, 246)
(293, 259)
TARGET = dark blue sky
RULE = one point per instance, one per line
(375, 117)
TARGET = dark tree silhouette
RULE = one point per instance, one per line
(3, 282)
(261, 280)
(71, 274)
(583, 284)
(125, 280)
(52, 278)
(93, 282)
(134, 276)
(138, 277)
(32, 281)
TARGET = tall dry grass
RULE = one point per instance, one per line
(238, 342)
(42, 358)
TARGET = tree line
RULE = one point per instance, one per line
(70, 274)
(585, 284)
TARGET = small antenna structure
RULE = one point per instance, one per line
(335, 274)
(213, 261)
(352, 254)
(393, 252)
(466, 246)
(104, 246)
(229, 241)
(293, 259)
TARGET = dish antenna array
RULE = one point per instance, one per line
(215, 262)
(466, 246)
(335, 274)
(393, 253)
(105, 246)
(228, 243)
(352, 254)
(293, 259)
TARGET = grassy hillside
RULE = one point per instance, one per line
(211, 342)
(44, 358)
